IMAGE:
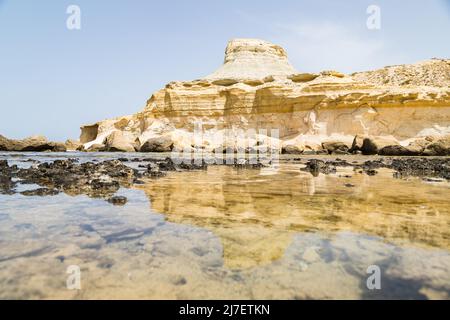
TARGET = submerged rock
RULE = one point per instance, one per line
(40, 192)
(118, 200)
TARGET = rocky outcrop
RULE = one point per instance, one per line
(160, 144)
(257, 98)
(34, 143)
(116, 142)
(372, 145)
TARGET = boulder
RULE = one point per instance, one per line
(159, 144)
(117, 142)
(372, 145)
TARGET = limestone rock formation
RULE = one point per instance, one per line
(116, 142)
(160, 144)
(251, 59)
(257, 99)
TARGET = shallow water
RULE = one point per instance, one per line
(228, 233)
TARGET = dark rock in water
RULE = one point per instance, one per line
(193, 165)
(3, 164)
(7, 185)
(371, 172)
(349, 185)
(40, 192)
(118, 200)
(167, 165)
(431, 167)
(93, 179)
(319, 166)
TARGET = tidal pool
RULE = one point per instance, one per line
(228, 233)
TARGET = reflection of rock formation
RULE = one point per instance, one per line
(256, 216)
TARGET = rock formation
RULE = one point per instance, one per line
(34, 143)
(258, 99)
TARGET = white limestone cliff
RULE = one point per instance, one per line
(257, 89)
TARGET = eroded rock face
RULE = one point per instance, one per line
(258, 91)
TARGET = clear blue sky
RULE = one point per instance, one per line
(52, 79)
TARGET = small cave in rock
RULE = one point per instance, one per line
(88, 133)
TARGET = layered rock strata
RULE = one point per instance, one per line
(258, 99)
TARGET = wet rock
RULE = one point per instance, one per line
(118, 200)
(40, 192)
(3, 164)
(422, 167)
(93, 179)
(167, 165)
(319, 166)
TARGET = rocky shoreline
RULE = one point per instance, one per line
(362, 144)
(103, 179)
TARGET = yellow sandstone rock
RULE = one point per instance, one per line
(257, 89)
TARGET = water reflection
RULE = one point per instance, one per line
(233, 234)
(257, 215)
